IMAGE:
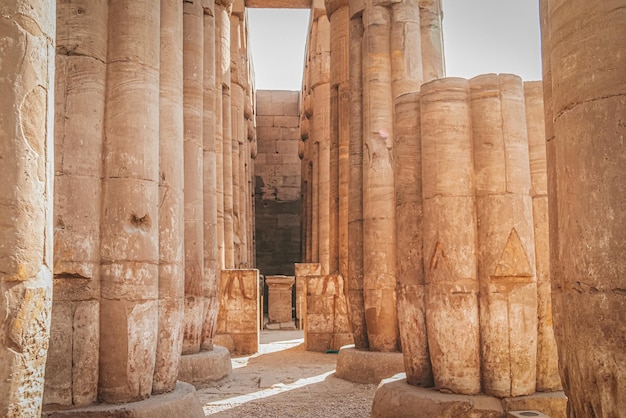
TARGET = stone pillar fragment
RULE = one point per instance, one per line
(72, 365)
(449, 239)
(379, 252)
(193, 79)
(355, 189)
(219, 130)
(302, 271)
(238, 318)
(129, 236)
(212, 265)
(506, 246)
(171, 200)
(326, 326)
(547, 358)
(279, 299)
(585, 94)
(410, 259)
(27, 29)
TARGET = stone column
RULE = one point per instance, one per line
(449, 236)
(409, 236)
(506, 247)
(193, 79)
(547, 358)
(223, 25)
(130, 187)
(220, 67)
(238, 126)
(72, 365)
(587, 190)
(406, 70)
(26, 147)
(171, 200)
(379, 252)
(433, 61)
(211, 256)
(355, 187)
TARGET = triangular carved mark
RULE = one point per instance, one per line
(514, 260)
(440, 265)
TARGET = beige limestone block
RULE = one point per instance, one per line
(79, 102)
(587, 198)
(193, 79)
(211, 255)
(410, 259)
(302, 271)
(433, 61)
(279, 298)
(129, 239)
(238, 318)
(506, 246)
(356, 308)
(171, 204)
(379, 227)
(548, 378)
(449, 236)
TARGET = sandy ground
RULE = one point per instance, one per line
(283, 380)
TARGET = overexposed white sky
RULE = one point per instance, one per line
(480, 36)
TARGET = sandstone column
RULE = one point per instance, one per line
(223, 25)
(26, 150)
(171, 201)
(193, 79)
(355, 188)
(220, 67)
(449, 237)
(547, 358)
(379, 252)
(410, 260)
(506, 248)
(433, 62)
(587, 188)
(406, 70)
(72, 365)
(211, 256)
(130, 187)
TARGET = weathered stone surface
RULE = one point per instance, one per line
(361, 366)
(326, 326)
(205, 367)
(182, 401)
(586, 185)
(450, 236)
(238, 315)
(280, 290)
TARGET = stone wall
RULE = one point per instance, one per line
(277, 190)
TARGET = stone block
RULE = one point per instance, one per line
(205, 367)
(526, 414)
(239, 312)
(360, 366)
(280, 289)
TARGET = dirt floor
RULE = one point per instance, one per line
(283, 380)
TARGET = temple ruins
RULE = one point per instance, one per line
(459, 242)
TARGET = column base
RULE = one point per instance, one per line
(360, 366)
(396, 398)
(206, 367)
(181, 402)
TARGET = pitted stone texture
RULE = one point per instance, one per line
(181, 402)
(205, 367)
(360, 366)
(395, 398)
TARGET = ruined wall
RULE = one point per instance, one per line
(277, 190)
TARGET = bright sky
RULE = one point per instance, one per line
(480, 36)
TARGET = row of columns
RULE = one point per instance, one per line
(144, 158)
